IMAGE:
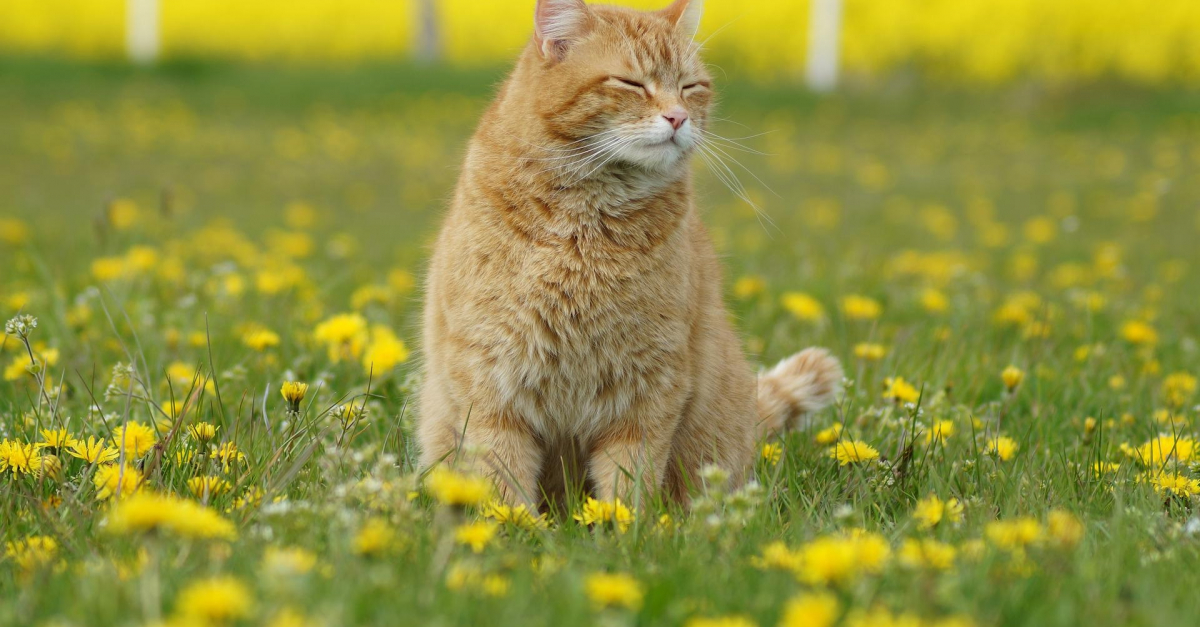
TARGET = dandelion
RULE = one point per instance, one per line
(288, 560)
(456, 489)
(939, 431)
(721, 621)
(215, 600)
(1174, 484)
(777, 556)
(208, 487)
(58, 439)
(202, 431)
(869, 352)
(260, 339)
(931, 510)
(515, 515)
(856, 307)
(374, 538)
(614, 513)
(772, 452)
(927, 553)
(146, 511)
(749, 286)
(1164, 449)
(1139, 333)
(343, 335)
(900, 391)
(116, 480)
(934, 301)
(1003, 447)
(93, 451)
(32, 553)
(1064, 528)
(293, 393)
(829, 435)
(811, 609)
(804, 307)
(853, 451)
(135, 438)
(613, 590)
(1013, 534)
(476, 535)
(18, 457)
(384, 352)
(1012, 377)
(842, 558)
(1178, 389)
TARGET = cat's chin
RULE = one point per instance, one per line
(661, 157)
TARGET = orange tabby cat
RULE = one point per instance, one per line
(573, 317)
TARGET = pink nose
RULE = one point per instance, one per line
(676, 117)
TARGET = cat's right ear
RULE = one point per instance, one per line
(559, 23)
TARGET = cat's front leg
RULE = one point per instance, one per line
(629, 455)
(507, 449)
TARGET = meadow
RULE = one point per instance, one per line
(211, 281)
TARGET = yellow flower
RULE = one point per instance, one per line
(476, 535)
(901, 391)
(384, 352)
(122, 214)
(856, 307)
(368, 295)
(829, 435)
(115, 480)
(852, 451)
(375, 537)
(260, 339)
(777, 556)
(747, 287)
(343, 335)
(32, 553)
(1178, 389)
(13, 232)
(811, 609)
(934, 301)
(293, 393)
(216, 600)
(1012, 377)
(136, 438)
(939, 431)
(927, 553)
(605, 512)
(202, 431)
(804, 307)
(19, 457)
(456, 489)
(1139, 333)
(842, 558)
(57, 439)
(146, 511)
(1002, 447)
(288, 560)
(1013, 534)
(93, 451)
(1172, 484)
(1164, 449)
(208, 487)
(613, 590)
(931, 510)
(772, 452)
(1064, 528)
(869, 352)
(517, 516)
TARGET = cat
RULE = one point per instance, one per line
(574, 320)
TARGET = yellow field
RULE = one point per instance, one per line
(973, 40)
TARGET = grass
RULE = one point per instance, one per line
(1025, 227)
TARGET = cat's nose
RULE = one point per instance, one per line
(676, 117)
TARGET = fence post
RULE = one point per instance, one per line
(141, 31)
(824, 43)
(428, 44)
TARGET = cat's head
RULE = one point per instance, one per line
(615, 85)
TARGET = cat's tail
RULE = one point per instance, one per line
(799, 385)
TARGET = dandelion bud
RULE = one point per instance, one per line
(1012, 377)
(293, 393)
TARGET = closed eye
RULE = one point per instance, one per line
(629, 83)
(691, 86)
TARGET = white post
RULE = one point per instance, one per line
(824, 42)
(428, 41)
(141, 30)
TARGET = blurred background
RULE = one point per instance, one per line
(967, 146)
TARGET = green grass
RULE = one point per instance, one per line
(855, 188)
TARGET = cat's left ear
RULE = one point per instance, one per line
(559, 23)
(685, 15)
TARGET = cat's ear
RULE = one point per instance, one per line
(685, 15)
(559, 23)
